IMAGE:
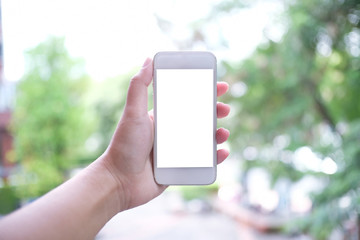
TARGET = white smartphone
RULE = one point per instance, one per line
(185, 118)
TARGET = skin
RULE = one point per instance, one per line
(120, 179)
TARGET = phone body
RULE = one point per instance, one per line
(185, 118)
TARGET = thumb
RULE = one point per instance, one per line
(137, 97)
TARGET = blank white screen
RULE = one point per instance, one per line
(185, 118)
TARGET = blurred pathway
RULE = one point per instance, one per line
(164, 218)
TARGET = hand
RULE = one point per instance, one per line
(129, 156)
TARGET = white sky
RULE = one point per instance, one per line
(114, 36)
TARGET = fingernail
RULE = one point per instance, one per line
(146, 63)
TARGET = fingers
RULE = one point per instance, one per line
(222, 110)
(136, 102)
(222, 88)
(222, 135)
(222, 154)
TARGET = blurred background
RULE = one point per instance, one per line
(294, 73)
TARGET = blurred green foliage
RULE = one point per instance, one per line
(305, 91)
(9, 200)
(50, 125)
(62, 120)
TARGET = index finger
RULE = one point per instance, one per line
(222, 88)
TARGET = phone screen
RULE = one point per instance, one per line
(185, 118)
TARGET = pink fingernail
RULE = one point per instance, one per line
(146, 63)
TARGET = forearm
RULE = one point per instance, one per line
(78, 209)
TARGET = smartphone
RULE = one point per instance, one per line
(185, 118)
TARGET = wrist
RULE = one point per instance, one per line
(118, 190)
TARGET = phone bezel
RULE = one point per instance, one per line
(191, 175)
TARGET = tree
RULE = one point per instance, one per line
(50, 126)
(304, 91)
